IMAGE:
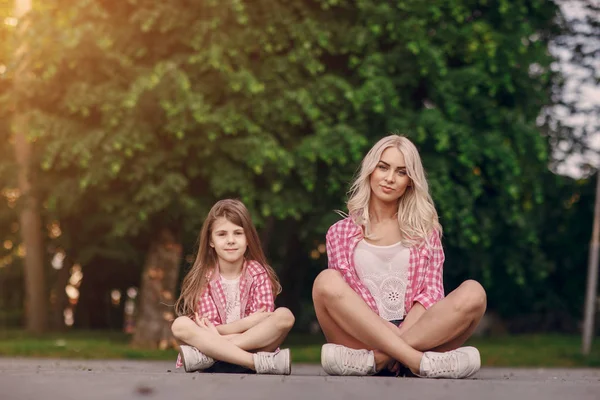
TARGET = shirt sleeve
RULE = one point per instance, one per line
(432, 290)
(262, 294)
(333, 244)
(207, 308)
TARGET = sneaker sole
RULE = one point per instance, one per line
(185, 367)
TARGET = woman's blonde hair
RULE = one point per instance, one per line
(195, 281)
(417, 216)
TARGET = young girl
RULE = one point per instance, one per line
(381, 302)
(226, 306)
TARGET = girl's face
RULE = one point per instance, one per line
(228, 240)
(389, 180)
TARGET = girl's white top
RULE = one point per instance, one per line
(384, 271)
(231, 287)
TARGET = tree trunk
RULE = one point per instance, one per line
(36, 298)
(31, 236)
(157, 293)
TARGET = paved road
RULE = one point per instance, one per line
(36, 379)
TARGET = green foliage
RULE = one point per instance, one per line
(6, 51)
(145, 112)
(455, 77)
(11, 303)
(154, 109)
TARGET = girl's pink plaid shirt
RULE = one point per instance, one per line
(425, 267)
(256, 292)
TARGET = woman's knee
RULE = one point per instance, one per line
(473, 298)
(284, 318)
(327, 284)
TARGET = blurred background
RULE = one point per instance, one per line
(122, 122)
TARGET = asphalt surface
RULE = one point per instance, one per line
(42, 379)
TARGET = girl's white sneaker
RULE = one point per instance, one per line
(277, 363)
(193, 359)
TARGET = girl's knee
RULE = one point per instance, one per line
(327, 284)
(285, 318)
(180, 326)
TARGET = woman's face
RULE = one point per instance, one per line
(389, 180)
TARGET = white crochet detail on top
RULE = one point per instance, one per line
(231, 287)
(384, 271)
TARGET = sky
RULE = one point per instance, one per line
(584, 95)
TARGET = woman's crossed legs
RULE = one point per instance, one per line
(348, 321)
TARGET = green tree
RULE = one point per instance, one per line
(139, 140)
(147, 112)
(13, 52)
(9, 271)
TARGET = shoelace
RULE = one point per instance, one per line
(355, 360)
(266, 362)
(444, 363)
(202, 358)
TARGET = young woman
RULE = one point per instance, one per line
(381, 302)
(226, 307)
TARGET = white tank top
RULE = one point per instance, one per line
(231, 287)
(384, 271)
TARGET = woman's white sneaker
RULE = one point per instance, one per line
(341, 360)
(193, 359)
(460, 363)
(277, 363)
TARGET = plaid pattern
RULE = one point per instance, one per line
(425, 269)
(256, 291)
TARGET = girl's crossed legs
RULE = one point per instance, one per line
(348, 321)
(265, 336)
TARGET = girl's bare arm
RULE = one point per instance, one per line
(242, 325)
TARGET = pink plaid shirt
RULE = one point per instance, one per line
(256, 291)
(424, 268)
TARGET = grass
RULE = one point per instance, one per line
(77, 344)
(543, 350)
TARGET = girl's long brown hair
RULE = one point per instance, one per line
(206, 259)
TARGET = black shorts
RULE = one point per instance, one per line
(403, 370)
